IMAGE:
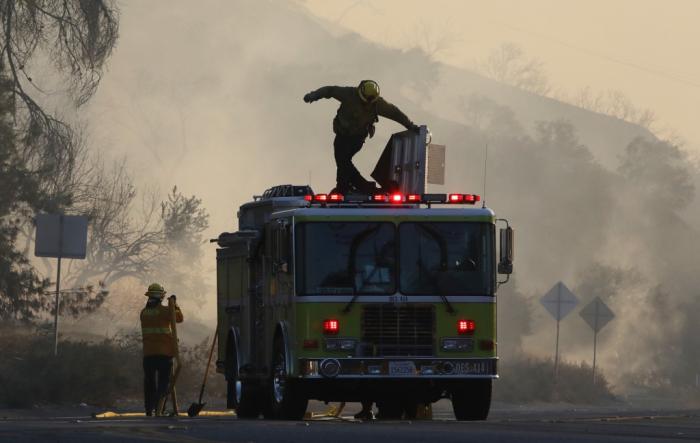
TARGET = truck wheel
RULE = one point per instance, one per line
(471, 400)
(390, 409)
(239, 394)
(286, 402)
(248, 406)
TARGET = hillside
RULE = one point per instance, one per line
(211, 101)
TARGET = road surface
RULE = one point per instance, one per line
(506, 424)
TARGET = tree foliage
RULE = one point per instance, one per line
(509, 64)
(137, 238)
(42, 158)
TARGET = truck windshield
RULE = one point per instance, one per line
(446, 258)
(345, 258)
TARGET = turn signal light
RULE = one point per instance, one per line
(331, 326)
(487, 345)
(310, 344)
(465, 326)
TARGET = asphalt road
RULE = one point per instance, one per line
(531, 424)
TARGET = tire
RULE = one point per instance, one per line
(248, 405)
(286, 401)
(471, 400)
(390, 410)
(239, 394)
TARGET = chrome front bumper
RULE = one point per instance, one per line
(398, 368)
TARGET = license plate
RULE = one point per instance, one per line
(402, 368)
(477, 368)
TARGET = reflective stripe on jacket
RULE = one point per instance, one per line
(155, 329)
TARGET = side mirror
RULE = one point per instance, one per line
(505, 263)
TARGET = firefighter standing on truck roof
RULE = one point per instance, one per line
(158, 346)
(360, 108)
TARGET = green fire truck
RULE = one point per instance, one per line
(389, 298)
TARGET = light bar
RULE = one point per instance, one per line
(396, 198)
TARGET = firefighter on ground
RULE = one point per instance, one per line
(158, 346)
(360, 108)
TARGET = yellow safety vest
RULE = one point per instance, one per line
(155, 329)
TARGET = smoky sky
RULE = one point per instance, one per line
(207, 96)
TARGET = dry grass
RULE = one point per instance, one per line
(96, 373)
(525, 379)
(106, 372)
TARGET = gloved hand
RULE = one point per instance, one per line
(173, 297)
(310, 97)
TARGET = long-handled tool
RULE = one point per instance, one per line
(176, 370)
(195, 408)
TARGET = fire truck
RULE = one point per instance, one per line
(389, 297)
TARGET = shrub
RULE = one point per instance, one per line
(525, 379)
(96, 373)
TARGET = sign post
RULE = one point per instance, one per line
(559, 302)
(60, 236)
(597, 314)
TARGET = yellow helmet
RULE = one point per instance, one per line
(368, 90)
(155, 290)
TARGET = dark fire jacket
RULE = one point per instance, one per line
(355, 116)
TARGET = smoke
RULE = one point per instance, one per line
(207, 97)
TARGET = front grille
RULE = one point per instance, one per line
(390, 330)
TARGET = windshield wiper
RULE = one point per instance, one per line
(359, 238)
(442, 244)
(433, 280)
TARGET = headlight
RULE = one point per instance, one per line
(340, 344)
(458, 344)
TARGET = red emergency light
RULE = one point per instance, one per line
(413, 198)
(469, 199)
(336, 197)
(465, 326)
(396, 198)
(331, 326)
